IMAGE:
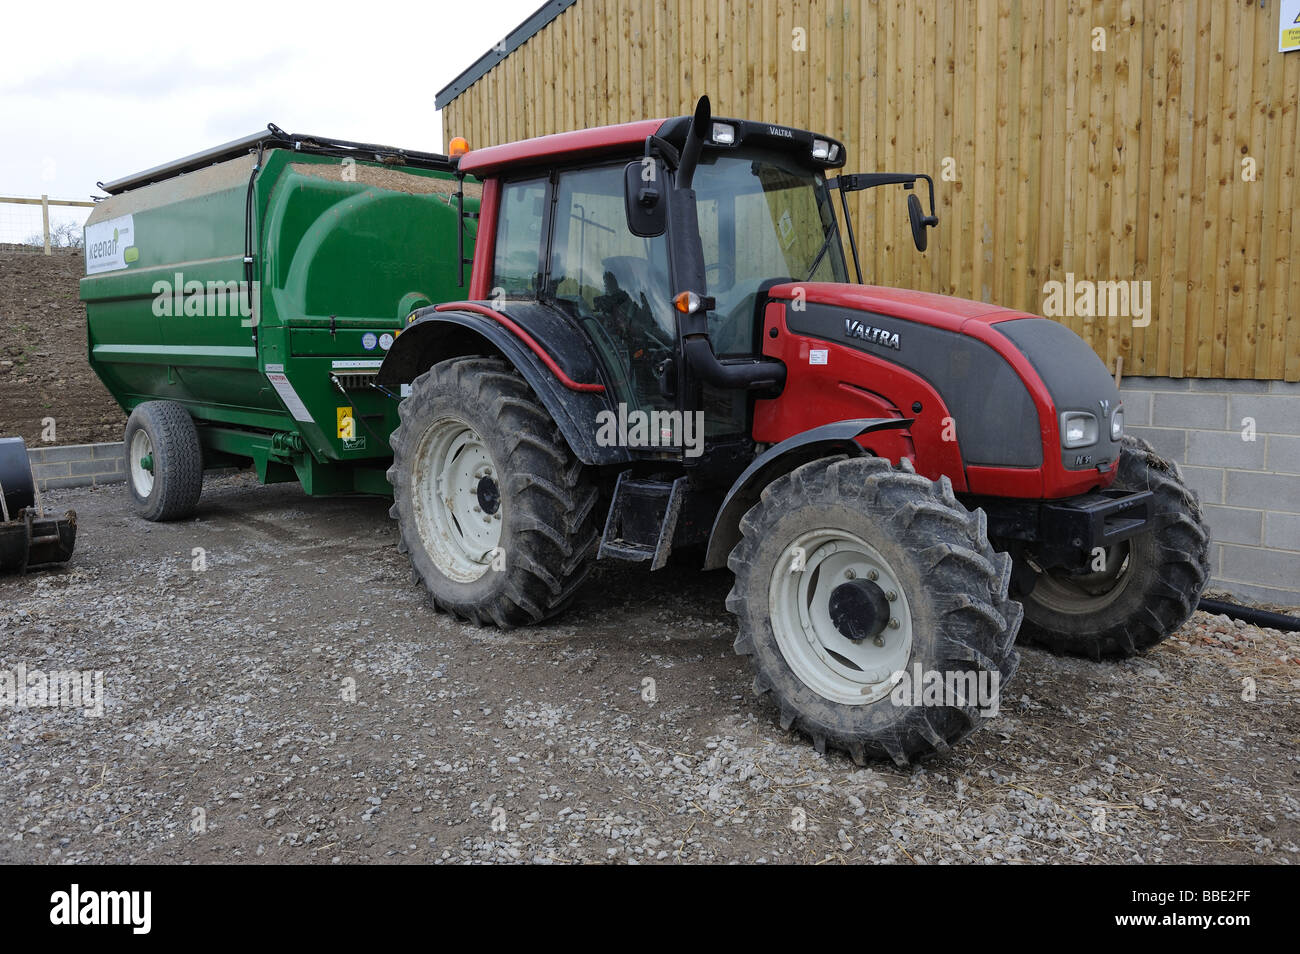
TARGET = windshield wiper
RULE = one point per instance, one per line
(821, 253)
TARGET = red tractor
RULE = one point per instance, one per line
(663, 351)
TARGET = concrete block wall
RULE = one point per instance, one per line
(1249, 488)
(77, 465)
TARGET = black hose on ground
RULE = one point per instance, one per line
(1248, 614)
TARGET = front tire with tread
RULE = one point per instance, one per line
(1163, 573)
(961, 620)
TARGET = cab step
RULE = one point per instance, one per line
(642, 519)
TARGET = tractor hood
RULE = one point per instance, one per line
(1012, 381)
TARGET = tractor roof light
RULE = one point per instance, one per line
(821, 149)
(724, 135)
(458, 147)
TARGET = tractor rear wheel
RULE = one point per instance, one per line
(164, 461)
(856, 582)
(493, 510)
(1150, 583)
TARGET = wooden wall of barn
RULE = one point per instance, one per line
(1115, 140)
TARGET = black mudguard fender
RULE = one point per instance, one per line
(778, 460)
(545, 347)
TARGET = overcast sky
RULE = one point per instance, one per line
(92, 92)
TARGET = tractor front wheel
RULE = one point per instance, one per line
(493, 510)
(872, 609)
(1149, 584)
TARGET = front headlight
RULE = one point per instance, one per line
(1117, 423)
(1078, 429)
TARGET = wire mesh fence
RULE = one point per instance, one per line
(41, 224)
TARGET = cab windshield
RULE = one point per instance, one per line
(762, 217)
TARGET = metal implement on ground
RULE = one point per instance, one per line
(28, 538)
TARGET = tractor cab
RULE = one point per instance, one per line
(659, 240)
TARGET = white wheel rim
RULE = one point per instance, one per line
(852, 672)
(1083, 594)
(142, 478)
(453, 477)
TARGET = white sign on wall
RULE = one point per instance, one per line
(1288, 29)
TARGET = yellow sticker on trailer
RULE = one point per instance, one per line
(347, 424)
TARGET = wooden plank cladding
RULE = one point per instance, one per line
(1077, 147)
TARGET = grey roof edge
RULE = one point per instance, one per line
(513, 40)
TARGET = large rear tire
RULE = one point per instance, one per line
(1150, 584)
(831, 550)
(164, 461)
(494, 511)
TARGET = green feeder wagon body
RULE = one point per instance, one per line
(260, 284)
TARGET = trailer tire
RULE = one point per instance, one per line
(479, 465)
(854, 523)
(1153, 588)
(163, 461)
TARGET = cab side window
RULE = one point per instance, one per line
(517, 265)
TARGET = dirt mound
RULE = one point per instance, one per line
(43, 367)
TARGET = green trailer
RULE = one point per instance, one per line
(253, 290)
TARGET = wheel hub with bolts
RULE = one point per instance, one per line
(489, 495)
(457, 499)
(141, 463)
(840, 617)
(860, 610)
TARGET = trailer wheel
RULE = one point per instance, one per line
(1150, 584)
(853, 577)
(494, 511)
(164, 461)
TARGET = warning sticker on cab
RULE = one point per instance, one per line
(289, 396)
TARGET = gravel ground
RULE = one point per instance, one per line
(299, 701)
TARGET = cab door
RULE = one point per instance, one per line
(614, 283)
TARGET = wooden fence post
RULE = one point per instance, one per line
(45, 221)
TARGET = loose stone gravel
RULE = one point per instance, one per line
(285, 694)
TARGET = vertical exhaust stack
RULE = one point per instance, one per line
(690, 292)
(694, 143)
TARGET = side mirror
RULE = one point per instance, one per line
(645, 198)
(920, 221)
